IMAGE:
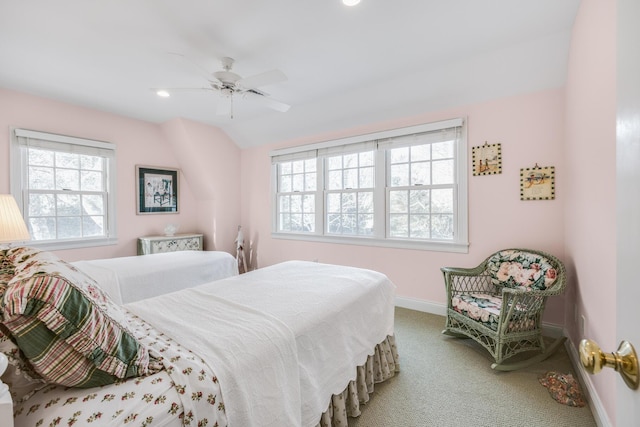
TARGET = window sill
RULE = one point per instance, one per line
(371, 241)
(68, 244)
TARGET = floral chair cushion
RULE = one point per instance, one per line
(481, 307)
(485, 308)
(521, 270)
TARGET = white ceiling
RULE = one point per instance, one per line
(346, 66)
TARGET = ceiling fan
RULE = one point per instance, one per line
(230, 85)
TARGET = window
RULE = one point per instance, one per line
(296, 199)
(65, 188)
(403, 188)
(420, 191)
(349, 191)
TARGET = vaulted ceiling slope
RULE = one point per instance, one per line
(345, 66)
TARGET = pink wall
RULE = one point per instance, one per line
(138, 142)
(590, 205)
(530, 129)
(211, 165)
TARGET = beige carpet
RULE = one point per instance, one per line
(444, 381)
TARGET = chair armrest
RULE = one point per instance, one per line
(458, 271)
(467, 280)
(521, 310)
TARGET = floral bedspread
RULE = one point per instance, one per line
(154, 400)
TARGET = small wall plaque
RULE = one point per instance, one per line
(538, 183)
(487, 159)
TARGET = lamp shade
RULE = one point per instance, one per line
(12, 226)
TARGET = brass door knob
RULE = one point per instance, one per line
(625, 360)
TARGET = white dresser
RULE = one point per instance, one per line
(179, 242)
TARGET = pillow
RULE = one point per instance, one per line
(521, 270)
(66, 326)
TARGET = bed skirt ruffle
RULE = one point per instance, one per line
(379, 367)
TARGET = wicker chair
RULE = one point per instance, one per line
(500, 303)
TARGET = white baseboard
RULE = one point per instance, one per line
(597, 409)
(421, 305)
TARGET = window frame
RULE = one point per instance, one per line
(20, 140)
(344, 190)
(302, 193)
(459, 243)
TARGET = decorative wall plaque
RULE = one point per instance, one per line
(487, 159)
(538, 183)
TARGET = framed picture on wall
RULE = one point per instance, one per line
(538, 183)
(156, 190)
(487, 159)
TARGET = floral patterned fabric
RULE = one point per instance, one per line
(380, 366)
(154, 400)
(485, 309)
(481, 307)
(523, 270)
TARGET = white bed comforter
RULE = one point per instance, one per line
(134, 278)
(232, 339)
(254, 329)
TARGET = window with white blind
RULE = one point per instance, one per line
(65, 188)
(403, 188)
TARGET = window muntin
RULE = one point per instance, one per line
(296, 198)
(419, 194)
(65, 188)
(420, 191)
(66, 194)
(350, 182)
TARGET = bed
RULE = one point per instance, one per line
(129, 279)
(294, 344)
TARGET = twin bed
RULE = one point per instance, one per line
(294, 344)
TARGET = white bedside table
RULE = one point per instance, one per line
(160, 244)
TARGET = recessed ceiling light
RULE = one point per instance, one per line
(163, 93)
(350, 2)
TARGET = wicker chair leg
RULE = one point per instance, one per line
(453, 334)
(528, 362)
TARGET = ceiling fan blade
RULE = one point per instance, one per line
(268, 101)
(181, 89)
(205, 73)
(262, 79)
